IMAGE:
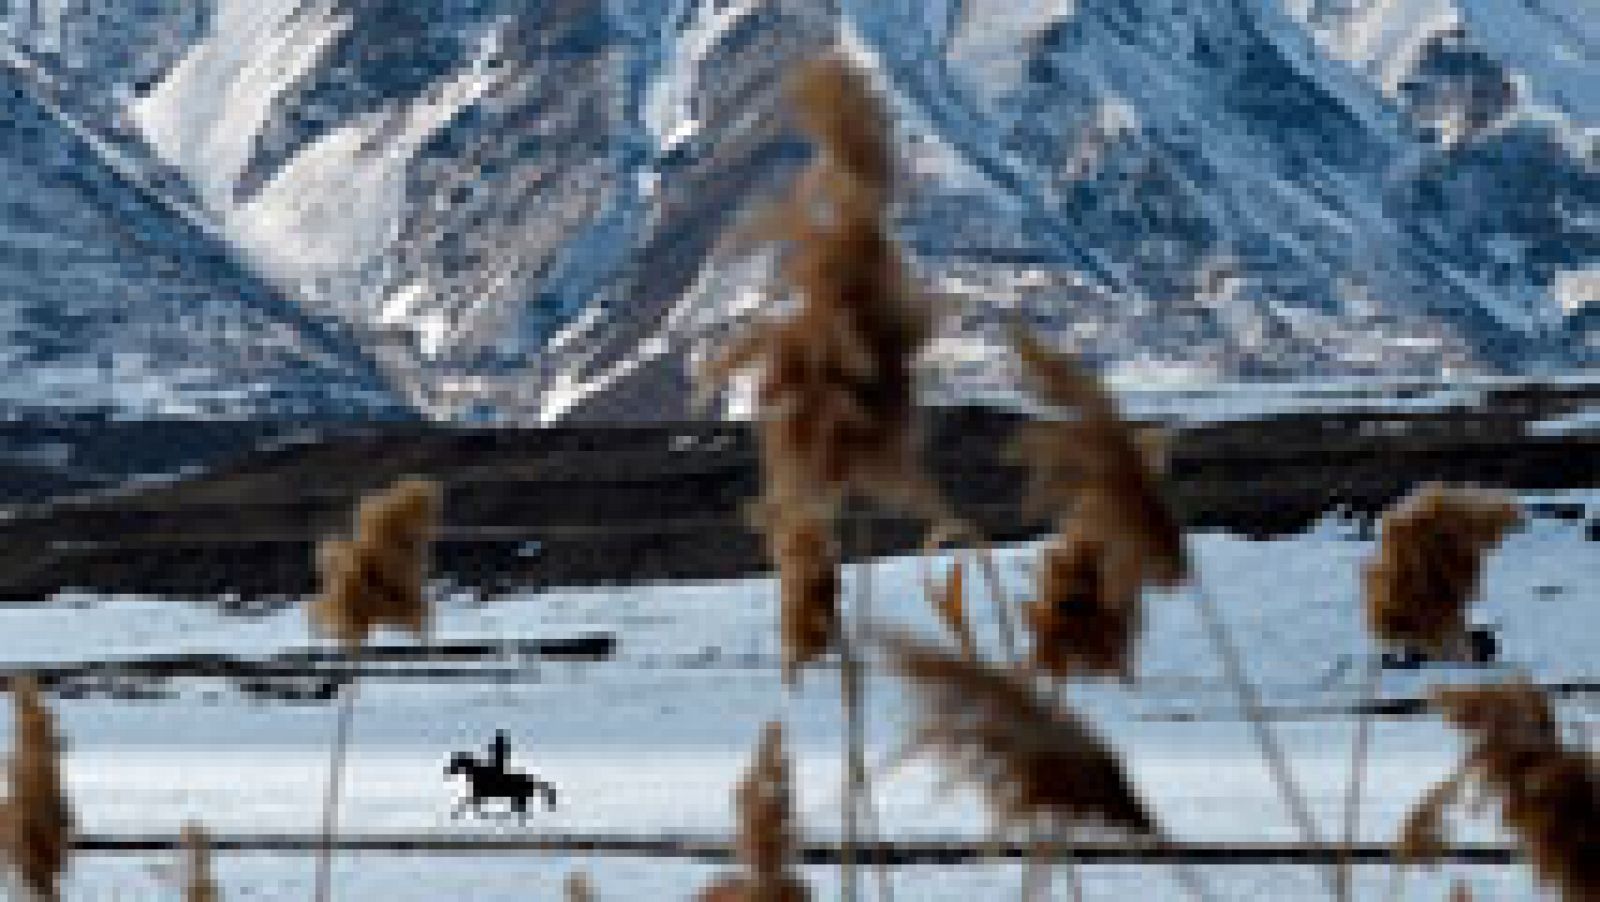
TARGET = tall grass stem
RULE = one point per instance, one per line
(1250, 701)
(1001, 600)
(1359, 752)
(330, 800)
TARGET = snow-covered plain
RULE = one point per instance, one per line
(650, 743)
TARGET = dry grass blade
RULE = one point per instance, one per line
(1038, 764)
(1422, 832)
(950, 602)
(1428, 564)
(376, 578)
(39, 822)
(767, 840)
(198, 885)
(1549, 793)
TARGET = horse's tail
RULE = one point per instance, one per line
(547, 790)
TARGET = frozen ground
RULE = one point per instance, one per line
(398, 878)
(649, 744)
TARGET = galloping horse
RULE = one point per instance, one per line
(492, 780)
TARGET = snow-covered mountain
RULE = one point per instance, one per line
(519, 208)
(116, 297)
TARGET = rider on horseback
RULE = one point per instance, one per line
(492, 779)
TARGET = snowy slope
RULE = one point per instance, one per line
(649, 743)
(523, 209)
(1551, 48)
(116, 296)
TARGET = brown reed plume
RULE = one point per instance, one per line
(376, 577)
(1086, 619)
(198, 885)
(1097, 469)
(1428, 564)
(767, 841)
(1039, 766)
(1549, 793)
(836, 390)
(1116, 534)
(578, 888)
(38, 821)
(801, 545)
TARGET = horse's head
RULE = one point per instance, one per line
(460, 762)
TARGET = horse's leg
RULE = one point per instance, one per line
(549, 792)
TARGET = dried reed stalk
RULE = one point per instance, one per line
(1039, 766)
(38, 820)
(835, 387)
(1428, 565)
(1417, 588)
(1549, 793)
(767, 840)
(376, 578)
(198, 885)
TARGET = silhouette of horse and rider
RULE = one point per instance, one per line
(488, 780)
